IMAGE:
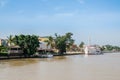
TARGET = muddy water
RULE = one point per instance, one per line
(94, 67)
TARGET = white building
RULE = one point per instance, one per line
(43, 45)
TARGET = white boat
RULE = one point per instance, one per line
(48, 55)
(92, 50)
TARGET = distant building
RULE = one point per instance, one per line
(43, 39)
(3, 42)
(14, 49)
(43, 44)
(0, 42)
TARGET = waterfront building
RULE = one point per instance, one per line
(14, 49)
(3, 42)
(43, 44)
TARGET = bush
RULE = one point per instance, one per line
(3, 49)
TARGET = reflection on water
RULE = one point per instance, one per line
(79, 67)
(17, 62)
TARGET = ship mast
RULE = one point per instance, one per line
(89, 41)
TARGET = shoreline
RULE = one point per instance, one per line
(19, 57)
(22, 57)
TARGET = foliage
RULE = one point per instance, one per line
(3, 49)
(69, 40)
(63, 42)
(50, 42)
(81, 44)
(116, 48)
(10, 40)
(110, 48)
(27, 43)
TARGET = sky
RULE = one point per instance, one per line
(97, 20)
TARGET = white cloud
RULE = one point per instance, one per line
(3, 3)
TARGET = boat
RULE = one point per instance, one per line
(47, 55)
(92, 50)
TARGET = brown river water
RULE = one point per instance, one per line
(77, 67)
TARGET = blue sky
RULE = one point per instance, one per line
(97, 19)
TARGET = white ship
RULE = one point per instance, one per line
(92, 50)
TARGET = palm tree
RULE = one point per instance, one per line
(10, 40)
(50, 42)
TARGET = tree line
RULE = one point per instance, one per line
(63, 43)
(30, 43)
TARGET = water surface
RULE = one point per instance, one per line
(79, 67)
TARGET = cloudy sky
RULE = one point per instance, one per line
(97, 19)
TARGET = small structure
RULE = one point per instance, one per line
(42, 44)
(15, 50)
(3, 42)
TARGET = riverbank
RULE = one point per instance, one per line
(22, 57)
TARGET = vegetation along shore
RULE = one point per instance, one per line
(32, 46)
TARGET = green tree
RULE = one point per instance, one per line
(109, 47)
(102, 48)
(81, 44)
(50, 42)
(116, 48)
(69, 40)
(28, 43)
(62, 42)
(10, 40)
(3, 49)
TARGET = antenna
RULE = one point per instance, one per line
(89, 40)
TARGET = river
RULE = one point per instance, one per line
(77, 67)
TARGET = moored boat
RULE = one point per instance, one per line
(92, 50)
(47, 55)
